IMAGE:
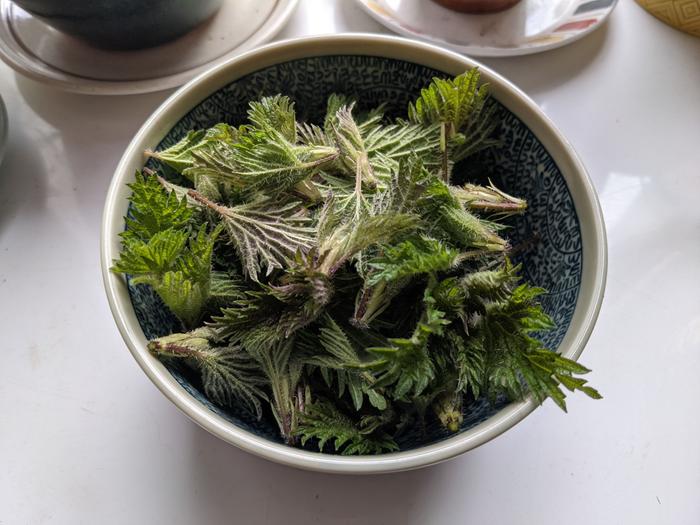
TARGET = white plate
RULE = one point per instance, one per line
(529, 27)
(38, 51)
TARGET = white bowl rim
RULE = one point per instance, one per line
(182, 101)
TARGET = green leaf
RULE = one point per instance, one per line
(229, 375)
(153, 210)
(225, 288)
(459, 106)
(262, 162)
(469, 358)
(152, 258)
(184, 296)
(408, 182)
(180, 156)
(390, 145)
(353, 154)
(406, 363)
(324, 423)
(351, 238)
(266, 233)
(488, 199)
(513, 356)
(410, 258)
(177, 266)
(340, 356)
(275, 114)
(283, 373)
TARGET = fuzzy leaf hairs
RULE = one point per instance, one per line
(331, 278)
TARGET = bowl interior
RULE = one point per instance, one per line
(547, 237)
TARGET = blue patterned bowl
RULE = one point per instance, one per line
(534, 161)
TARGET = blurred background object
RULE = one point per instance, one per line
(681, 14)
(123, 24)
(3, 128)
(477, 6)
(36, 49)
(503, 27)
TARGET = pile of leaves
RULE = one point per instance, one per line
(330, 275)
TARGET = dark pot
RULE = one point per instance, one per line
(122, 24)
(477, 6)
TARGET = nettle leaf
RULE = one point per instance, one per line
(449, 100)
(488, 199)
(184, 296)
(230, 376)
(492, 285)
(180, 156)
(351, 238)
(263, 161)
(412, 257)
(339, 355)
(225, 287)
(266, 233)
(448, 219)
(406, 364)
(334, 104)
(515, 360)
(372, 151)
(283, 371)
(459, 107)
(407, 185)
(156, 256)
(388, 146)
(325, 424)
(275, 113)
(469, 358)
(177, 266)
(271, 314)
(153, 209)
(353, 153)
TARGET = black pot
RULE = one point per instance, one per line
(122, 24)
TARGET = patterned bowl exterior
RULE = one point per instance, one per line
(549, 231)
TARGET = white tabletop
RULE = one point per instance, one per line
(86, 438)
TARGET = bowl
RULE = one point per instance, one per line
(533, 161)
(122, 24)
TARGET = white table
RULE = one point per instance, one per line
(86, 438)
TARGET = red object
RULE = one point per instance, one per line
(580, 24)
(477, 6)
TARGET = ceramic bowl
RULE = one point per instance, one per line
(534, 161)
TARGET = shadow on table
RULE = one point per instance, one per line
(23, 175)
(232, 486)
(89, 134)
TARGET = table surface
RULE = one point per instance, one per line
(86, 438)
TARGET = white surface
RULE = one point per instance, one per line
(35, 49)
(86, 438)
(528, 27)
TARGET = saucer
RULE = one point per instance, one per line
(529, 27)
(39, 51)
